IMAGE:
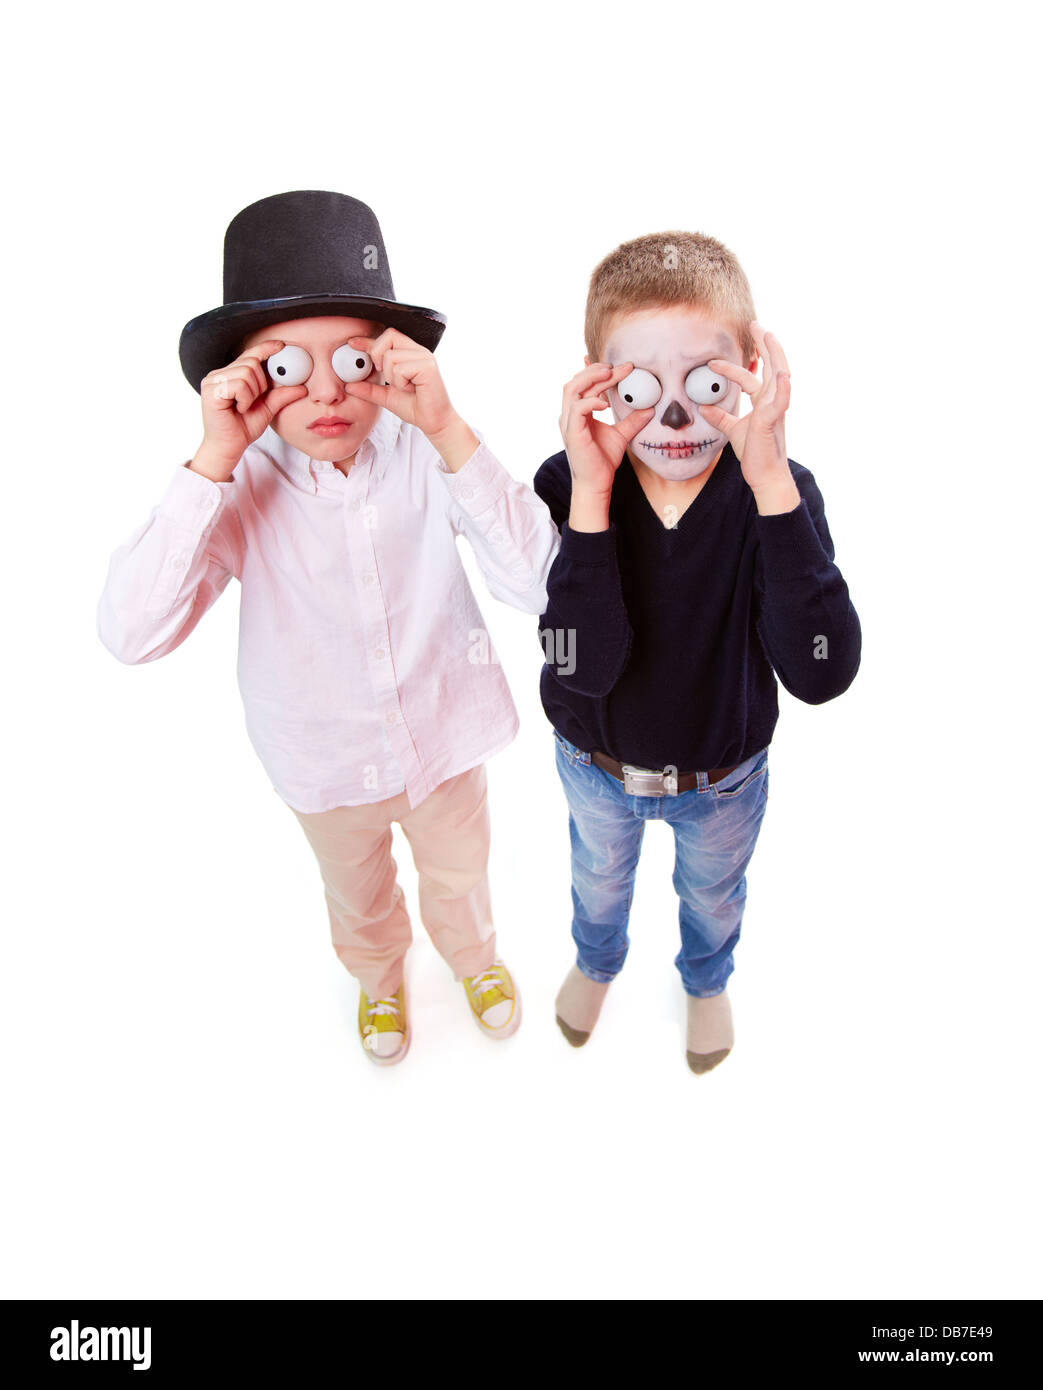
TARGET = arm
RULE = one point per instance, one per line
(585, 632)
(807, 624)
(513, 538)
(176, 564)
(171, 569)
(509, 528)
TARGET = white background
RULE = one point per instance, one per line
(188, 1112)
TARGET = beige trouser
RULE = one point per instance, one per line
(448, 834)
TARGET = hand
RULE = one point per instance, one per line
(406, 381)
(595, 449)
(239, 403)
(758, 439)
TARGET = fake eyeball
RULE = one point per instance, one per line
(640, 389)
(351, 364)
(705, 387)
(290, 366)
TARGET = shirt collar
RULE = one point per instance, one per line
(305, 471)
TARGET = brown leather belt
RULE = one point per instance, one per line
(685, 780)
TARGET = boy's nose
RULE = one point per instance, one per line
(675, 417)
(326, 387)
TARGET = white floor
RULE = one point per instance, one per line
(190, 1113)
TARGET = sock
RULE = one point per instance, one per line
(710, 1035)
(578, 1005)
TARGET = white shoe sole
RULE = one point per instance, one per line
(395, 1058)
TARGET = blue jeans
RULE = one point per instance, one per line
(715, 829)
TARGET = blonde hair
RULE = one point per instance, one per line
(667, 268)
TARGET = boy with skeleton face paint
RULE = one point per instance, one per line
(695, 566)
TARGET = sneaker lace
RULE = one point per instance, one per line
(382, 1006)
(488, 979)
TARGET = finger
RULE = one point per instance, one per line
(244, 367)
(253, 358)
(234, 389)
(401, 368)
(573, 390)
(245, 396)
(259, 374)
(746, 379)
(398, 339)
(262, 351)
(597, 373)
(619, 371)
(412, 364)
(589, 404)
(578, 420)
(254, 377)
(387, 367)
(718, 418)
(778, 357)
(368, 390)
(220, 384)
(384, 342)
(632, 425)
(765, 352)
(782, 393)
(376, 347)
(281, 396)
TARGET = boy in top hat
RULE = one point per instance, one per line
(695, 558)
(332, 481)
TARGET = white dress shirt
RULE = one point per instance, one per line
(364, 666)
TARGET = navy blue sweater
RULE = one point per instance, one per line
(675, 632)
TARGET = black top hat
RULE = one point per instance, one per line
(294, 256)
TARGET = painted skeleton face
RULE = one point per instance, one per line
(670, 349)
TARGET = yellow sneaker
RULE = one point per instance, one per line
(494, 1000)
(382, 1027)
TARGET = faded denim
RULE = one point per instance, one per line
(715, 831)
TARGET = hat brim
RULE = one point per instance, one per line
(212, 340)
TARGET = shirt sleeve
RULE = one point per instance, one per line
(807, 623)
(171, 569)
(584, 631)
(508, 527)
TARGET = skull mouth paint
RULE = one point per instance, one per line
(681, 449)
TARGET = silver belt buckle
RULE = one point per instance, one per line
(642, 781)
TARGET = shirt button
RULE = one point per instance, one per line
(356, 504)
(179, 562)
(496, 534)
(367, 579)
(380, 653)
(467, 493)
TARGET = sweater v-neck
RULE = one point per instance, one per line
(701, 503)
